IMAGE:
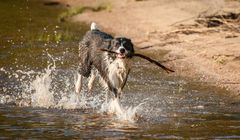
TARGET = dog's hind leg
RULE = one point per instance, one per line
(78, 85)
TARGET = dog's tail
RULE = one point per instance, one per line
(94, 26)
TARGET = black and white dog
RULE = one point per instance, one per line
(113, 68)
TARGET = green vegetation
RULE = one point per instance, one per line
(29, 22)
(80, 9)
(58, 34)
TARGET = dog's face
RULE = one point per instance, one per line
(123, 47)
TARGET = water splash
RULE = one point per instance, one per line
(43, 97)
(53, 88)
(128, 114)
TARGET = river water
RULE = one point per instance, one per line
(38, 59)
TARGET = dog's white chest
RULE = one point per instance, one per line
(118, 70)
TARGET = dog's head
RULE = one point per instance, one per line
(123, 47)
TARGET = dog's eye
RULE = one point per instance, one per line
(117, 44)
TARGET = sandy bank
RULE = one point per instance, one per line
(202, 53)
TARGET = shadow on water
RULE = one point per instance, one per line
(38, 58)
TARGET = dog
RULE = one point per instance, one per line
(113, 68)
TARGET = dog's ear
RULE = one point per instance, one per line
(111, 43)
(114, 43)
(128, 39)
(130, 42)
(129, 45)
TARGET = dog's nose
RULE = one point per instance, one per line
(122, 50)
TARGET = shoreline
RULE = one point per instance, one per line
(203, 54)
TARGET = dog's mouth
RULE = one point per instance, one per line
(121, 55)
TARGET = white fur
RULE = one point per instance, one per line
(91, 80)
(78, 85)
(93, 26)
(118, 70)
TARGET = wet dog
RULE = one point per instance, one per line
(113, 68)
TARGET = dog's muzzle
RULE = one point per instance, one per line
(121, 53)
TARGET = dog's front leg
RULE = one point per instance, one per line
(119, 94)
(78, 85)
(91, 81)
(112, 88)
(115, 92)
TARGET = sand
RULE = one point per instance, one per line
(196, 51)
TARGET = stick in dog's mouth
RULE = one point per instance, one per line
(146, 58)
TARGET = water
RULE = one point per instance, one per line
(37, 99)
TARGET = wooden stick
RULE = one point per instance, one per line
(154, 62)
(105, 50)
(146, 58)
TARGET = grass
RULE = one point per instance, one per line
(65, 32)
(53, 37)
(80, 9)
